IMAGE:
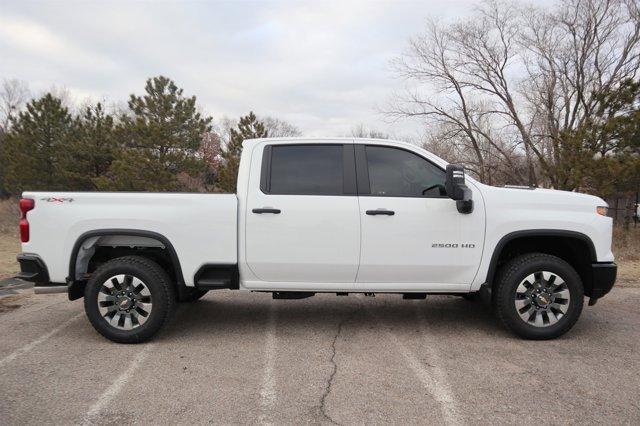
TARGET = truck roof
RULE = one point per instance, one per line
(247, 142)
(401, 144)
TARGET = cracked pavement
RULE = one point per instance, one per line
(327, 390)
(341, 360)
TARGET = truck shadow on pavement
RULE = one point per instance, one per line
(439, 315)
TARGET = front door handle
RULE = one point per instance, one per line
(266, 210)
(380, 211)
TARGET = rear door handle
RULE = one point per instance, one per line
(380, 211)
(266, 210)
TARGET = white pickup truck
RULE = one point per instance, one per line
(323, 216)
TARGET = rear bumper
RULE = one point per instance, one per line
(603, 278)
(33, 269)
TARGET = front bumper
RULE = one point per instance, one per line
(603, 276)
(33, 269)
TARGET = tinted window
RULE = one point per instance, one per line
(399, 173)
(306, 169)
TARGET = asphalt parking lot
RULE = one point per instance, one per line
(245, 358)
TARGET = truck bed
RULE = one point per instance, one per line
(201, 227)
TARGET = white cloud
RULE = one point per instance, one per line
(45, 46)
(321, 65)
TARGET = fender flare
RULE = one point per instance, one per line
(497, 251)
(128, 232)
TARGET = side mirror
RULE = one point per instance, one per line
(457, 189)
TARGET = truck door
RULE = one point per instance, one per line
(302, 215)
(413, 237)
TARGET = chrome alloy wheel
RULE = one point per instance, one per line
(124, 301)
(542, 299)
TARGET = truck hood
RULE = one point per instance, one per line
(550, 199)
(557, 195)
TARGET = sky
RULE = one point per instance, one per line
(323, 66)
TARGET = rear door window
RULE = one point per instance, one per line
(306, 170)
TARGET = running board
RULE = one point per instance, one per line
(414, 296)
(213, 284)
(292, 294)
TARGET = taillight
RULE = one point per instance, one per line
(26, 204)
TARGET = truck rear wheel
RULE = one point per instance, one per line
(538, 296)
(128, 299)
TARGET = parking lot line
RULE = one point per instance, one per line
(26, 348)
(437, 381)
(268, 390)
(115, 388)
(433, 379)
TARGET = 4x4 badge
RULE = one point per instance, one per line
(57, 199)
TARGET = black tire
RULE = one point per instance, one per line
(162, 297)
(513, 273)
(193, 296)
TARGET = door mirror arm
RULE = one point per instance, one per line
(457, 189)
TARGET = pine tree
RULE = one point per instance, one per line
(161, 137)
(602, 156)
(32, 152)
(91, 150)
(616, 170)
(249, 127)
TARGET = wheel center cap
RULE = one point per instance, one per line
(124, 303)
(543, 299)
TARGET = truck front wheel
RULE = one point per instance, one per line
(538, 296)
(128, 299)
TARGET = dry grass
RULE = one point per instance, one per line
(626, 247)
(9, 242)
(9, 216)
(9, 248)
(626, 243)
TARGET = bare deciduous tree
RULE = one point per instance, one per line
(362, 131)
(507, 83)
(14, 94)
(277, 128)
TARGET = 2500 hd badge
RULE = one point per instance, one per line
(453, 245)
